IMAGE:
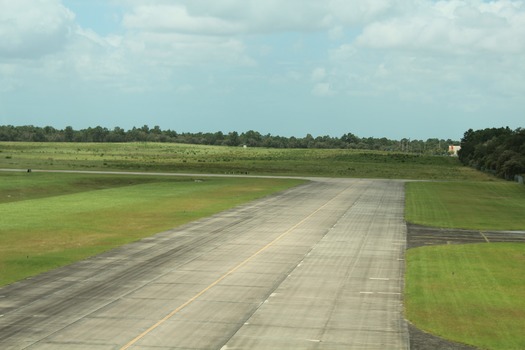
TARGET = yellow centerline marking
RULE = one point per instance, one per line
(196, 296)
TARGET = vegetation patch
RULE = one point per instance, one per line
(490, 205)
(168, 157)
(500, 151)
(50, 220)
(472, 294)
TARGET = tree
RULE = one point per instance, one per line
(251, 138)
(233, 139)
(498, 150)
(69, 134)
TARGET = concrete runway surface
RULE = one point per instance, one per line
(319, 266)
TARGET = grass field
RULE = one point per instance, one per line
(489, 205)
(473, 294)
(167, 157)
(50, 220)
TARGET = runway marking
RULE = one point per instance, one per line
(379, 279)
(196, 296)
(486, 239)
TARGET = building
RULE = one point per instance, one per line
(453, 150)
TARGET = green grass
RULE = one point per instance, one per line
(168, 157)
(491, 205)
(473, 294)
(50, 220)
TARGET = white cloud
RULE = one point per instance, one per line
(359, 12)
(96, 58)
(169, 49)
(175, 18)
(172, 34)
(33, 28)
(235, 17)
(254, 16)
(464, 54)
(141, 57)
(318, 74)
(323, 90)
(455, 26)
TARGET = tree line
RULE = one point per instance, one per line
(432, 146)
(500, 151)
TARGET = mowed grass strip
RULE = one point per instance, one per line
(489, 205)
(473, 294)
(53, 223)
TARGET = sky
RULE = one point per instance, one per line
(376, 68)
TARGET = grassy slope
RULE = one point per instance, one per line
(473, 294)
(220, 160)
(49, 220)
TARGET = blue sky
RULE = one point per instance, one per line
(376, 68)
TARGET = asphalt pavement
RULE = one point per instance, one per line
(319, 266)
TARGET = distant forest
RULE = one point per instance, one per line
(250, 138)
(500, 151)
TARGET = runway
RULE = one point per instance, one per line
(319, 266)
